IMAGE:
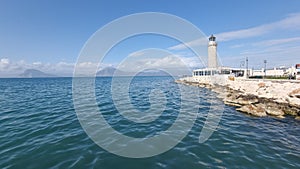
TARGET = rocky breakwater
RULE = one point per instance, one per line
(257, 97)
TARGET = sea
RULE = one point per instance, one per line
(39, 128)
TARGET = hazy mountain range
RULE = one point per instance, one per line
(105, 72)
(109, 71)
(33, 73)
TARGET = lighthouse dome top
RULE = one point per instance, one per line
(212, 38)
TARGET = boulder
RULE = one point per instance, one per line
(257, 98)
(245, 101)
(261, 84)
(231, 78)
(291, 111)
(274, 111)
(295, 93)
(272, 108)
(253, 110)
(232, 104)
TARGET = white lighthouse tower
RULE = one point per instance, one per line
(212, 52)
(214, 72)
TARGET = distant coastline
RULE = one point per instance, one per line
(105, 72)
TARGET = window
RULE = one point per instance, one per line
(225, 71)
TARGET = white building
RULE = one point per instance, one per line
(213, 69)
(269, 72)
(297, 71)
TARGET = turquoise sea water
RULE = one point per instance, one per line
(39, 129)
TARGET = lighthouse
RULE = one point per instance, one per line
(214, 69)
(212, 52)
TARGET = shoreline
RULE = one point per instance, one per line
(256, 97)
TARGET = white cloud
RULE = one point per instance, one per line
(244, 33)
(14, 69)
(4, 61)
(237, 46)
(136, 54)
(197, 42)
(273, 42)
(192, 62)
(37, 63)
(87, 68)
(135, 65)
(291, 22)
(175, 64)
(278, 55)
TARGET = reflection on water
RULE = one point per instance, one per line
(39, 129)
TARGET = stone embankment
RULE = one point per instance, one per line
(257, 97)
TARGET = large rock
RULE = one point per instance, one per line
(246, 101)
(274, 112)
(295, 93)
(292, 111)
(261, 85)
(258, 97)
(253, 110)
(232, 104)
(272, 109)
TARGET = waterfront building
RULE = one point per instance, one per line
(214, 69)
(276, 72)
(297, 72)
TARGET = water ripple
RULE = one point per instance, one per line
(39, 129)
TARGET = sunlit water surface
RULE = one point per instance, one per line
(39, 129)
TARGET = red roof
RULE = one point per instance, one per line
(297, 65)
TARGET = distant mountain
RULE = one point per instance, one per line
(33, 73)
(109, 71)
(153, 73)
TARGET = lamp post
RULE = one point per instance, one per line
(241, 65)
(247, 74)
(265, 62)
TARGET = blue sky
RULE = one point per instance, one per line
(48, 35)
